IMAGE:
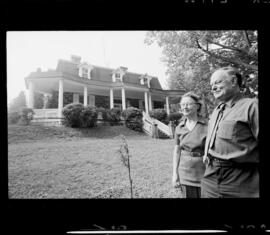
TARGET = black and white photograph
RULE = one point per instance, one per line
(133, 114)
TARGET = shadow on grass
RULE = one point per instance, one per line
(17, 133)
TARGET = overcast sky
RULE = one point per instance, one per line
(29, 50)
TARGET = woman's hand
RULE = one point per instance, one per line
(175, 180)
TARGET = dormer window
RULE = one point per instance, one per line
(145, 80)
(85, 73)
(85, 70)
(117, 75)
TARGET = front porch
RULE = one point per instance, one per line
(116, 95)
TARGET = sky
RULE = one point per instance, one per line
(29, 50)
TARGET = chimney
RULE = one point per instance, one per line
(76, 59)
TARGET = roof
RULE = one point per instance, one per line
(104, 74)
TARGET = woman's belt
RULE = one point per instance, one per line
(192, 154)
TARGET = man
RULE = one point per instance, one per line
(231, 149)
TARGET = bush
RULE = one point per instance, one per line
(13, 117)
(114, 115)
(175, 118)
(26, 115)
(159, 114)
(133, 119)
(103, 113)
(88, 116)
(72, 114)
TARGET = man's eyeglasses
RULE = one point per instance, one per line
(186, 104)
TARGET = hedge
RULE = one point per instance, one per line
(133, 119)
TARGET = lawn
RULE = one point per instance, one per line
(59, 162)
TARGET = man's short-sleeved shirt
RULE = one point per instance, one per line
(237, 134)
(194, 140)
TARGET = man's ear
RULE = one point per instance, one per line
(234, 81)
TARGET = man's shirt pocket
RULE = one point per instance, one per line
(226, 129)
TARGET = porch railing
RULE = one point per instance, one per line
(164, 128)
(150, 123)
(45, 113)
(147, 123)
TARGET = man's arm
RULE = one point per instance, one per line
(254, 118)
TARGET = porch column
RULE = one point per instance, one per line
(123, 99)
(60, 98)
(111, 98)
(85, 95)
(31, 95)
(167, 105)
(150, 102)
(146, 102)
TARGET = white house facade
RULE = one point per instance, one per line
(76, 81)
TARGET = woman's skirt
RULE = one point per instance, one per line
(191, 169)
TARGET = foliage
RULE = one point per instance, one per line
(125, 159)
(17, 103)
(72, 114)
(133, 119)
(103, 113)
(159, 114)
(175, 118)
(192, 56)
(26, 115)
(88, 116)
(13, 117)
(114, 115)
(77, 115)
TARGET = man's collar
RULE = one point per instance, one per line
(231, 102)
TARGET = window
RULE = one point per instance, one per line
(117, 77)
(85, 72)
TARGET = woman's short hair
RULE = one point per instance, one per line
(195, 97)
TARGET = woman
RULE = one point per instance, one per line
(190, 136)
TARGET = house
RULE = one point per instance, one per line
(76, 81)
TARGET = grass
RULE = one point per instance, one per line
(59, 162)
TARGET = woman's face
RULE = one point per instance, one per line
(188, 106)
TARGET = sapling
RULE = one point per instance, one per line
(125, 159)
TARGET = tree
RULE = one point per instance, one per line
(191, 57)
(18, 103)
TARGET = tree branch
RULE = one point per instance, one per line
(246, 52)
(236, 62)
(246, 38)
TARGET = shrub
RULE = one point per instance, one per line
(88, 116)
(103, 113)
(72, 114)
(159, 114)
(114, 115)
(13, 117)
(26, 115)
(133, 119)
(175, 118)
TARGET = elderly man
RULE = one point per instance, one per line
(231, 149)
